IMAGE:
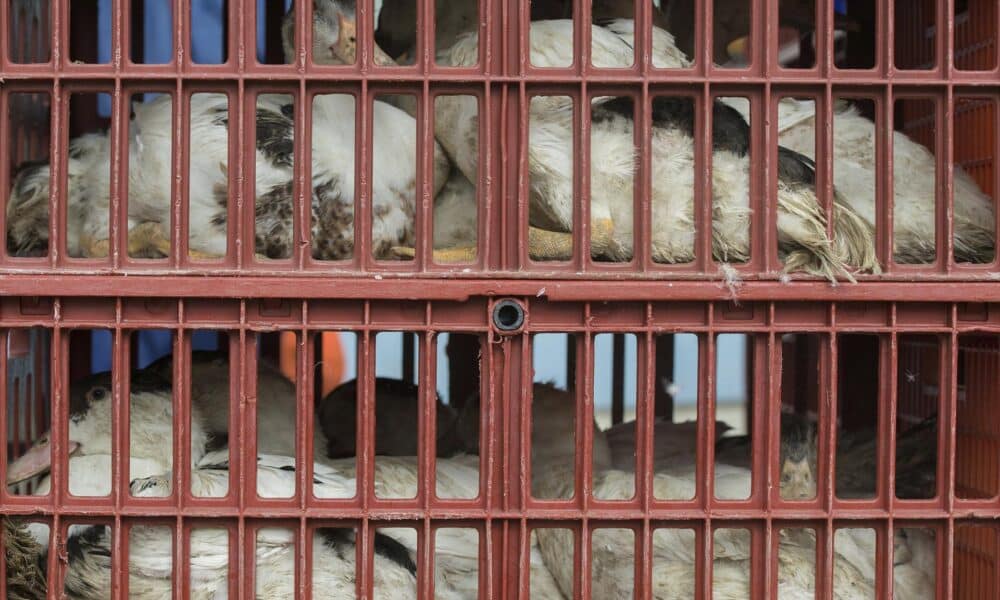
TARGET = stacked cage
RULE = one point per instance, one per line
(328, 300)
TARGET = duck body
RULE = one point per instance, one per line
(550, 161)
(151, 550)
(150, 191)
(855, 139)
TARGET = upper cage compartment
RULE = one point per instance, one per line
(488, 138)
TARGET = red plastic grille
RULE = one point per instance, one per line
(881, 357)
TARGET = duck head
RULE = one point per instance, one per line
(334, 36)
(90, 425)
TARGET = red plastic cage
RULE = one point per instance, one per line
(881, 358)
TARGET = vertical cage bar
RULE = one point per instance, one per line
(302, 184)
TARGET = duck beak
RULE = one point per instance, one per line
(346, 47)
(737, 49)
(36, 461)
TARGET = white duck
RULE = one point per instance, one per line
(151, 551)
(674, 561)
(333, 182)
(801, 223)
(854, 175)
(276, 402)
(90, 433)
(395, 477)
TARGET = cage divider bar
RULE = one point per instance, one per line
(366, 578)
(303, 49)
(886, 492)
(827, 455)
(250, 443)
(824, 141)
(944, 44)
(240, 454)
(306, 390)
(520, 179)
(453, 75)
(86, 507)
(945, 193)
(59, 123)
(363, 178)
(179, 230)
(305, 421)
(366, 423)
(885, 208)
(585, 414)
(5, 59)
(823, 40)
(704, 21)
(947, 433)
(761, 425)
(245, 139)
(581, 178)
(121, 452)
(769, 420)
(426, 36)
(4, 425)
(247, 573)
(121, 408)
(300, 584)
(366, 36)
(181, 455)
(242, 177)
(703, 177)
(514, 409)
(118, 134)
(705, 459)
(642, 212)
(487, 109)
(523, 589)
(119, 558)
(764, 198)
(645, 411)
(645, 415)
(5, 134)
(302, 173)
(181, 572)
(426, 437)
(424, 200)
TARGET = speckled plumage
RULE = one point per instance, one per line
(331, 208)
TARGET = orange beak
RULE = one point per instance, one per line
(346, 48)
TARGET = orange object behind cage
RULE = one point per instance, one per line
(331, 365)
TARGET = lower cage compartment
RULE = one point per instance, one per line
(499, 448)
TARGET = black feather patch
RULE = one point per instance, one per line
(795, 168)
(92, 540)
(394, 551)
(729, 131)
(385, 546)
(274, 136)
